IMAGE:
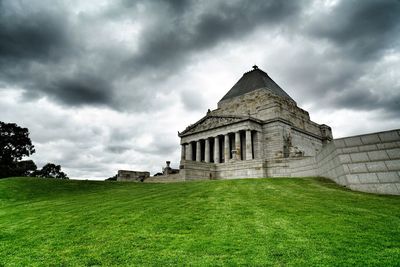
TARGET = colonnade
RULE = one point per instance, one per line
(218, 149)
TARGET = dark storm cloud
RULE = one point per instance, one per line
(365, 99)
(82, 89)
(39, 48)
(351, 39)
(181, 31)
(41, 44)
(361, 29)
(40, 35)
(57, 53)
(149, 68)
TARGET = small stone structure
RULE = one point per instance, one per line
(132, 176)
(168, 170)
(259, 131)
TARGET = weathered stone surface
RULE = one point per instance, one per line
(353, 179)
(353, 141)
(370, 139)
(378, 155)
(394, 153)
(359, 157)
(393, 165)
(132, 176)
(376, 166)
(388, 177)
(367, 178)
(389, 136)
(357, 167)
(388, 189)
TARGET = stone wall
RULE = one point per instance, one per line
(195, 170)
(171, 178)
(292, 167)
(329, 164)
(132, 176)
(241, 169)
(371, 162)
(368, 163)
(306, 143)
(265, 105)
(273, 140)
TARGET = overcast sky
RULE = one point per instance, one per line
(106, 85)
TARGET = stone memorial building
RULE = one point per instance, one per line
(255, 122)
(259, 131)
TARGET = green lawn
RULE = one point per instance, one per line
(238, 222)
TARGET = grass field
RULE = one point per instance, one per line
(238, 222)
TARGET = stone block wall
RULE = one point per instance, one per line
(195, 170)
(265, 105)
(132, 176)
(171, 178)
(368, 163)
(292, 167)
(273, 140)
(310, 145)
(304, 167)
(371, 162)
(329, 165)
(241, 169)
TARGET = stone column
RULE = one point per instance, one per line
(183, 151)
(237, 145)
(198, 151)
(216, 150)
(259, 153)
(249, 153)
(207, 151)
(226, 148)
(189, 152)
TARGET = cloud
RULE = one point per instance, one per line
(106, 86)
(82, 89)
(179, 31)
(363, 30)
(31, 34)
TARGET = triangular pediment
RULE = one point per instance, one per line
(210, 122)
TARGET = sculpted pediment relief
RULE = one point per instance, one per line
(210, 123)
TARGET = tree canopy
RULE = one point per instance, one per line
(50, 170)
(14, 145)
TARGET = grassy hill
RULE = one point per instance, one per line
(252, 222)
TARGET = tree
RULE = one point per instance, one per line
(112, 178)
(14, 145)
(50, 170)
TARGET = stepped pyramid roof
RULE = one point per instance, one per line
(253, 80)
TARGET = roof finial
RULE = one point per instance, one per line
(255, 67)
